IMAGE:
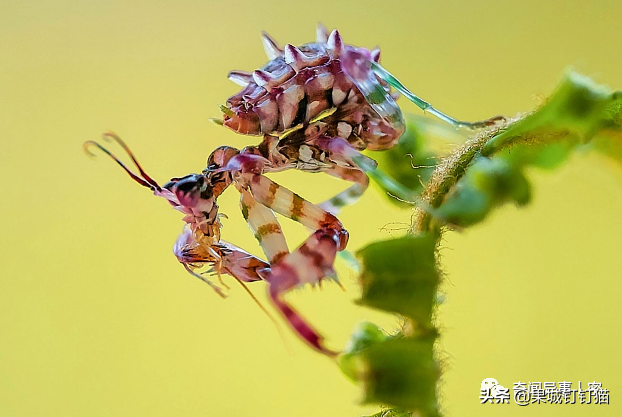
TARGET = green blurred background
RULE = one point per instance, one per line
(96, 316)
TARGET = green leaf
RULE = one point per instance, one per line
(577, 112)
(400, 275)
(403, 373)
(489, 182)
(365, 334)
(395, 370)
(578, 107)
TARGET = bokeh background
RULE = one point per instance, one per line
(96, 316)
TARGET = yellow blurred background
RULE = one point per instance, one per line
(97, 318)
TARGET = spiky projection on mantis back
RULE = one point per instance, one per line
(320, 104)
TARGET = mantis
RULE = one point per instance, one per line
(316, 107)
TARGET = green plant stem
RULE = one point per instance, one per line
(449, 171)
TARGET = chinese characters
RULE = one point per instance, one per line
(543, 393)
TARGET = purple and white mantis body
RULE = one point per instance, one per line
(317, 107)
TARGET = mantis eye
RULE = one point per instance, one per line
(189, 183)
(190, 190)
